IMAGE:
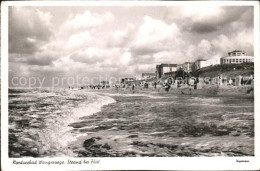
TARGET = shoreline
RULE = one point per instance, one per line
(212, 91)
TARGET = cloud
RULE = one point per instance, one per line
(145, 67)
(206, 19)
(154, 35)
(79, 40)
(91, 42)
(87, 20)
(219, 46)
(95, 54)
(203, 28)
(165, 57)
(29, 28)
(204, 48)
(153, 31)
(38, 58)
(126, 58)
(33, 41)
(201, 13)
(122, 37)
(84, 30)
(242, 40)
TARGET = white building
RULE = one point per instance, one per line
(200, 63)
(236, 57)
(211, 62)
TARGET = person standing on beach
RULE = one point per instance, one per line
(133, 88)
(155, 85)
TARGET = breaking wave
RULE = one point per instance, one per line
(40, 120)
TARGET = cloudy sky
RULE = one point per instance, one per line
(121, 41)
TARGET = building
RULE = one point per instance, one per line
(236, 57)
(211, 62)
(187, 66)
(236, 53)
(148, 75)
(200, 63)
(164, 68)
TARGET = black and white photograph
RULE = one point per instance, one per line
(129, 81)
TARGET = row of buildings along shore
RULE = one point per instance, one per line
(165, 71)
(234, 57)
(183, 74)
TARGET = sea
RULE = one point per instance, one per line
(46, 122)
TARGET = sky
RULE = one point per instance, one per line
(121, 41)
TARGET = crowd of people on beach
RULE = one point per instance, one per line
(167, 84)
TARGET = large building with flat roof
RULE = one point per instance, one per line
(236, 57)
(201, 63)
(164, 68)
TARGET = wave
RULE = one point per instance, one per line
(95, 106)
(60, 131)
(51, 133)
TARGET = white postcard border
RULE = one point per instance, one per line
(147, 163)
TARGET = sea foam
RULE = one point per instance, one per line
(59, 136)
(46, 117)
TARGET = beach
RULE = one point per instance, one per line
(122, 123)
